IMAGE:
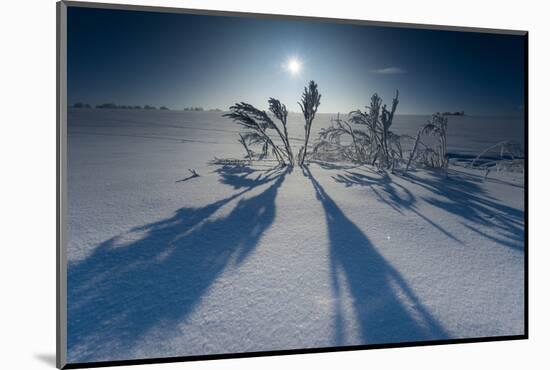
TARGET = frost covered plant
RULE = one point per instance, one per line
(434, 156)
(372, 141)
(311, 99)
(509, 157)
(330, 141)
(242, 140)
(281, 113)
(391, 146)
(506, 149)
(258, 124)
(382, 145)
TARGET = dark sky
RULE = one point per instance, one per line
(179, 60)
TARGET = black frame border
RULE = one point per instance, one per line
(61, 154)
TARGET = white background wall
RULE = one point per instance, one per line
(27, 185)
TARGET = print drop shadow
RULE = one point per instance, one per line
(384, 305)
(459, 194)
(120, 292)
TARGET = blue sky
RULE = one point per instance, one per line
(180, 60)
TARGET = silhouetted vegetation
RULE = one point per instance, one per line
(431, 156)
(246, 148)
(374, 143)
(193, 109)
(311, 99)
(281, 113)
(259, 122)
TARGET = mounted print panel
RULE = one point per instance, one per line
(238, 185)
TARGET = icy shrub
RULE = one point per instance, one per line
(242, 140)
(372, 141)
(502, 156)
(329, 147)
(380, 145)
(279, 110)
(434, 156)
(506, 150)
(309, 104)
(259, 123)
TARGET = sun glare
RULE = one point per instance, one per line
(294, 66)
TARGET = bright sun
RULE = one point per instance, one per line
(294, 66)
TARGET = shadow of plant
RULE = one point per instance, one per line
(395, 195)
(459, 194)
(386, 308)
(123, 290)
(464, 198)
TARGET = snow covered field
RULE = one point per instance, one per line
(254, 258)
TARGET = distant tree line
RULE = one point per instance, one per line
(116, 106)
(146, 107)
(81, 105)
(461, 113)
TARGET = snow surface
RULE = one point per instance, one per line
(253, 258)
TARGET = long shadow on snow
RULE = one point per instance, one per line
(459, 194)
(120, 292)
(386, 308)
(398, 197)
(462, 196)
